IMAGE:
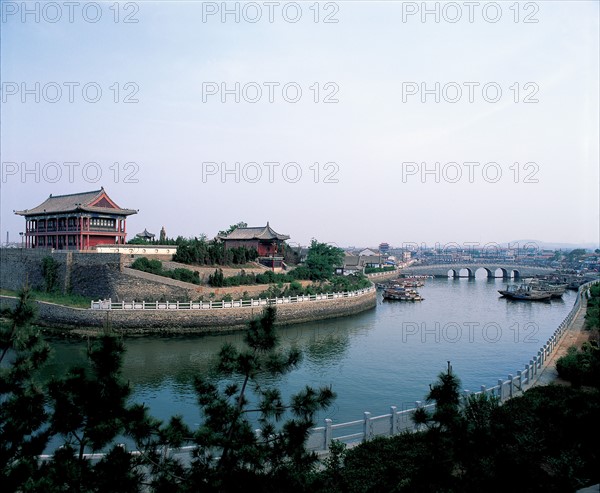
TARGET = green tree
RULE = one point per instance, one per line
(23, 413)
(234, 457)
(90, 411)
(50, 273)
(233, 227)
(575, 255)
(322, 259)
(216, 279)
(445, 393)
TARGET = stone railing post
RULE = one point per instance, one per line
(328, 433)
(510, 387)
(367, 427)
(393, 423)
(500, 389)
(465, 397)
(418, 405)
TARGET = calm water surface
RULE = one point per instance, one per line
(386, 356)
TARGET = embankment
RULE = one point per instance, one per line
(130, 322)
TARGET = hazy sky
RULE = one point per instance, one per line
(336, 114)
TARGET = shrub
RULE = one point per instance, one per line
(50, 273)
(155, 267)
(581, 367)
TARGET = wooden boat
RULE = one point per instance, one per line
(556, 290)
(413, 283)
(400, 294)
(531, 296)
(525, 292)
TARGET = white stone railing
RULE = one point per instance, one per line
(138, 249)
(398, 421)
(212, 305)
(383, 273)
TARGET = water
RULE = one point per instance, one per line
(386, 356)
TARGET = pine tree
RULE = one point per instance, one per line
(90, 411)
(232, 454)
(22, 401)
(445, 393)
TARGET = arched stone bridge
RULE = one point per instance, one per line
(508, 270)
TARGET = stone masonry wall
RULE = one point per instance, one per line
(88, 274)
(87, 321)
(106, 276)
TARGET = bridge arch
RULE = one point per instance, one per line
(507, 269)
(489, 273)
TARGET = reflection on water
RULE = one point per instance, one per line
(382, 357)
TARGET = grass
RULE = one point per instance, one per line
(74, 300)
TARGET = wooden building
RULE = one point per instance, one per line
(145, 235)
(265, 240)
(78, 221)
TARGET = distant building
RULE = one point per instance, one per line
(369, 261)
(265, 240)
(351, 265)
(384, 247)
(78, 221)
(367, 252)
(145, 235)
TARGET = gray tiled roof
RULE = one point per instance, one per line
(145, 234)
(259, 233)
(72, 203)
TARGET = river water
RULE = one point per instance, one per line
(383, 357)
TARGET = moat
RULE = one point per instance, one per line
(382, 357)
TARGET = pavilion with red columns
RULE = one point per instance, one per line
(78, 221)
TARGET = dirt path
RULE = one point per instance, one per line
(575, 335)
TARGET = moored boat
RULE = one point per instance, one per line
(401, 294)
(525, 292)
(556, 290)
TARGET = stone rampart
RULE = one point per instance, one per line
(107, 276)
(85, 273)
(87, 321)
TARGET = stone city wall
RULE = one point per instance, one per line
(106, 276)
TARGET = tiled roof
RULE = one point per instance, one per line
(351, 260)
(259, 233)
(76, 202)
(145, 234)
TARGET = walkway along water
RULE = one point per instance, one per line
(539, 371)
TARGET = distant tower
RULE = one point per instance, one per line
(384, 247)
(163, 235)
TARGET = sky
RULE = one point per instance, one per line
(352, 123)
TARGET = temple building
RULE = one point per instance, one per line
(78, 221)
(264, 239)
(145, 235)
